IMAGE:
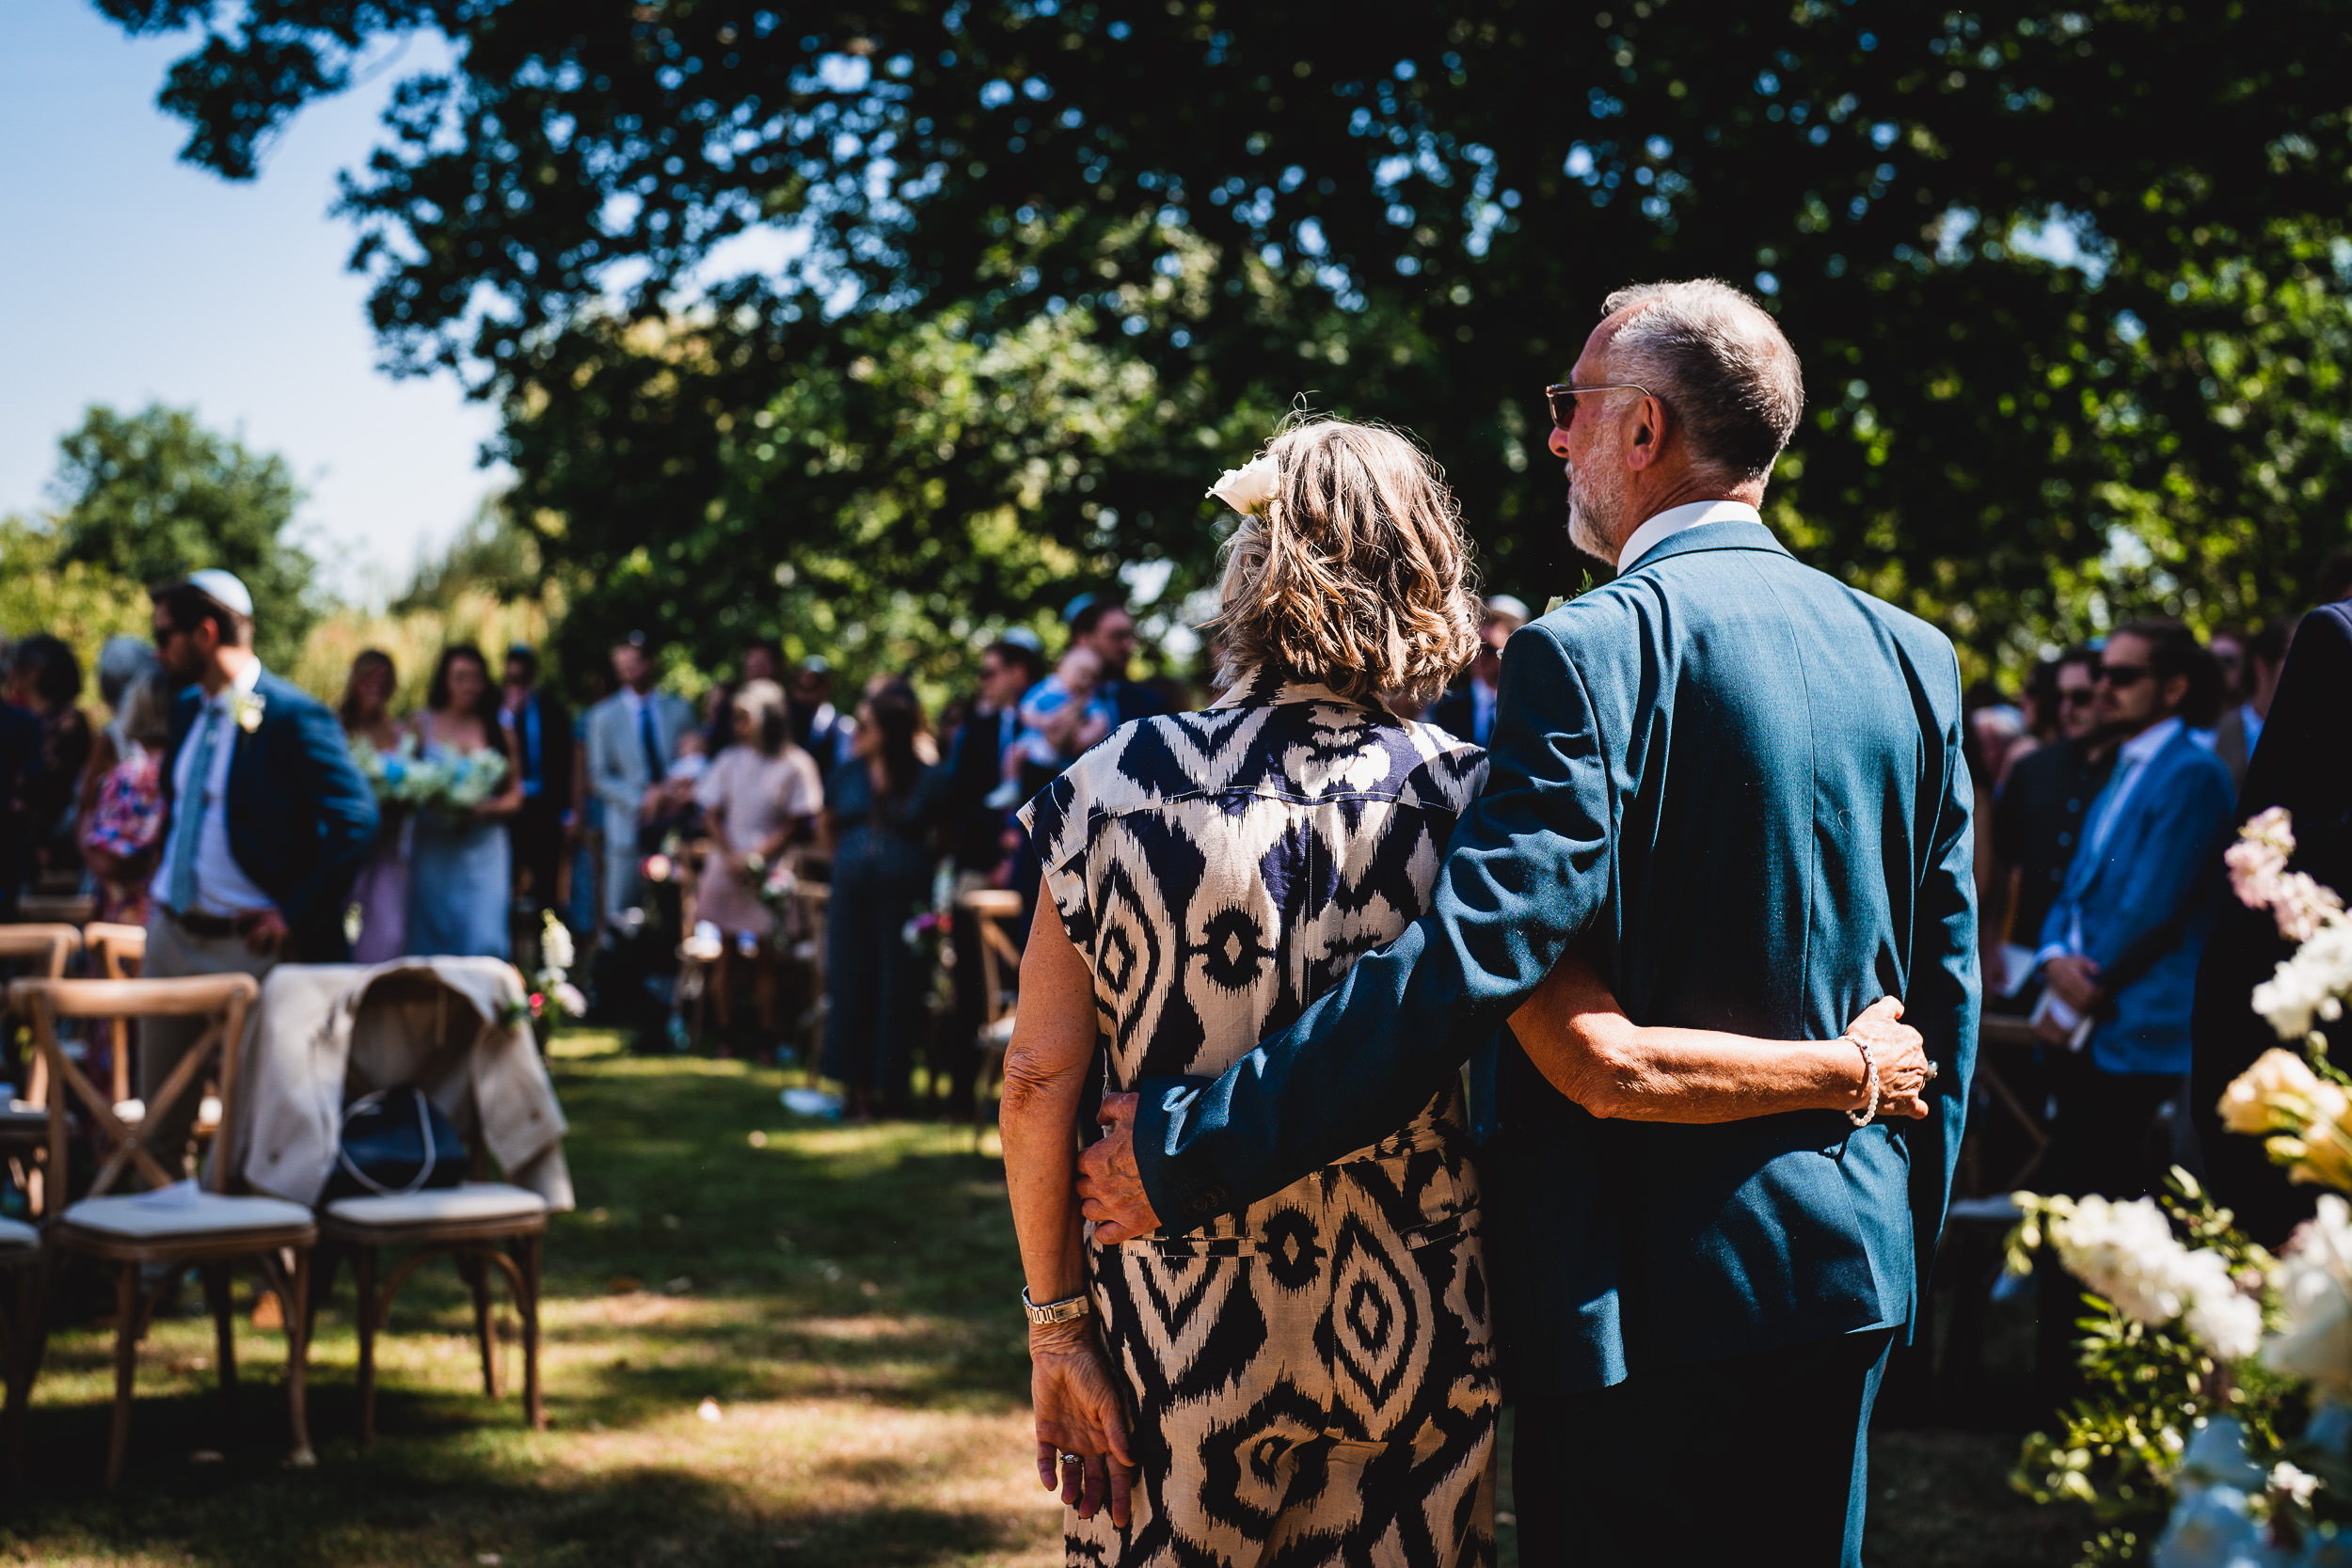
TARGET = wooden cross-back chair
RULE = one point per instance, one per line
(120, 953)
(43, 951)
(995, 910)
(24, 1137)
(160, 1233)
(480, 1225)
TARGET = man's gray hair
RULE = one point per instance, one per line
(1720, 362)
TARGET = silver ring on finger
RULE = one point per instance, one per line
(1932, 1072)
(1074, 1459)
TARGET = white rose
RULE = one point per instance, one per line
(2315, 1290)
(1248, 489)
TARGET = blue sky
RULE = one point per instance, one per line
(127, 276)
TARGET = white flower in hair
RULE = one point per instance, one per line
(1248, 489)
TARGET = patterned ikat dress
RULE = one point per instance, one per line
(1312, 1379)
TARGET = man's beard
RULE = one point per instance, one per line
(1596, 508)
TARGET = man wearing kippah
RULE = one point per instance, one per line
(268, 821)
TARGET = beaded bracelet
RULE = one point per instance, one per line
(1871, 1071)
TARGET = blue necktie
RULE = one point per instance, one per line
(187, 825)
(650, 739)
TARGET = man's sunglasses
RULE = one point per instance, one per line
(1562, 397)
(2125, 674)
(2081, 696)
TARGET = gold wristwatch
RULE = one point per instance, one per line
(1065, 1310)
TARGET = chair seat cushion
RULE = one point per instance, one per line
(467, 1201)
(16, 1234)
(179, 1212)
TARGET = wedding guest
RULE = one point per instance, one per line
(541, 725)
(633, 739)
(1061, 718)
(381, 890)
(268, 821)
(975, 833)
(1467, 709)
(1257, 1333)
(878, 812)
(759, 796)
(2304, 764)
(2228, 646)
(124, 662)
(2120, 944)
(2038, 820)
(461, 869)
(1104, 626)
(818, 728)
(122, 829)
(2263, 654)
(763, 661)
(45, 680)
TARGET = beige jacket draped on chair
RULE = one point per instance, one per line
(322, 1033)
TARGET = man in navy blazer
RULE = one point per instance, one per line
(1738, 783)
(267, 818)
(2118, 948)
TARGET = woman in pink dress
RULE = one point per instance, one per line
(381, 890)
(757, 796)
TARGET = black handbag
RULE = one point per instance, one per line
(396, 1142)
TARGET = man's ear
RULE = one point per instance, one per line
(2175, 694)
(1650, 434)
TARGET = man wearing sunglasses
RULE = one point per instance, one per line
(1736, 784)
(2038, 817)
(2120, 945)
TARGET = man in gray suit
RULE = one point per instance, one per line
(633, 739)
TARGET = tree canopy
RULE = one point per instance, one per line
(902, 316)
(149, 497)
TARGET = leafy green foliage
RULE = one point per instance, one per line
(148, 498)
(2069, 283)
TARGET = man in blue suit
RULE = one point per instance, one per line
(2120, 948)
(1738, 785)
(267, 819)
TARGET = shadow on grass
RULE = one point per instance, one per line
(411, 1502)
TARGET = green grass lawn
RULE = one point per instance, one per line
(843, 1295)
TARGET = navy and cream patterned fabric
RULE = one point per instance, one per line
(1313, 1377)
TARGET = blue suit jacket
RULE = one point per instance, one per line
(301, 817)
(2147, 903)
(1739, 783)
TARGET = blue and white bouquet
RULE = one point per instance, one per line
(451, 785)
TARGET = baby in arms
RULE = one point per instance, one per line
(1063, 716)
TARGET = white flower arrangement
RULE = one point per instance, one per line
(2127, 1253)
(1250, 488)
(2310, 988)
(2315, 1290)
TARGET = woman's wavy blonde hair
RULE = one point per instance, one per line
(1356, 574)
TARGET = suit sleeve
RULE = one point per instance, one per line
(346, 816)
(2190, 823)
(1944, 995)
(1528, 867)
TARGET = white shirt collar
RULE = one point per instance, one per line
(2148, 742)
(1675, 519)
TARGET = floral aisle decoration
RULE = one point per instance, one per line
(551, 997)
(2217, 1427)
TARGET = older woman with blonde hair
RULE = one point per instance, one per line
(1315, 1374)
